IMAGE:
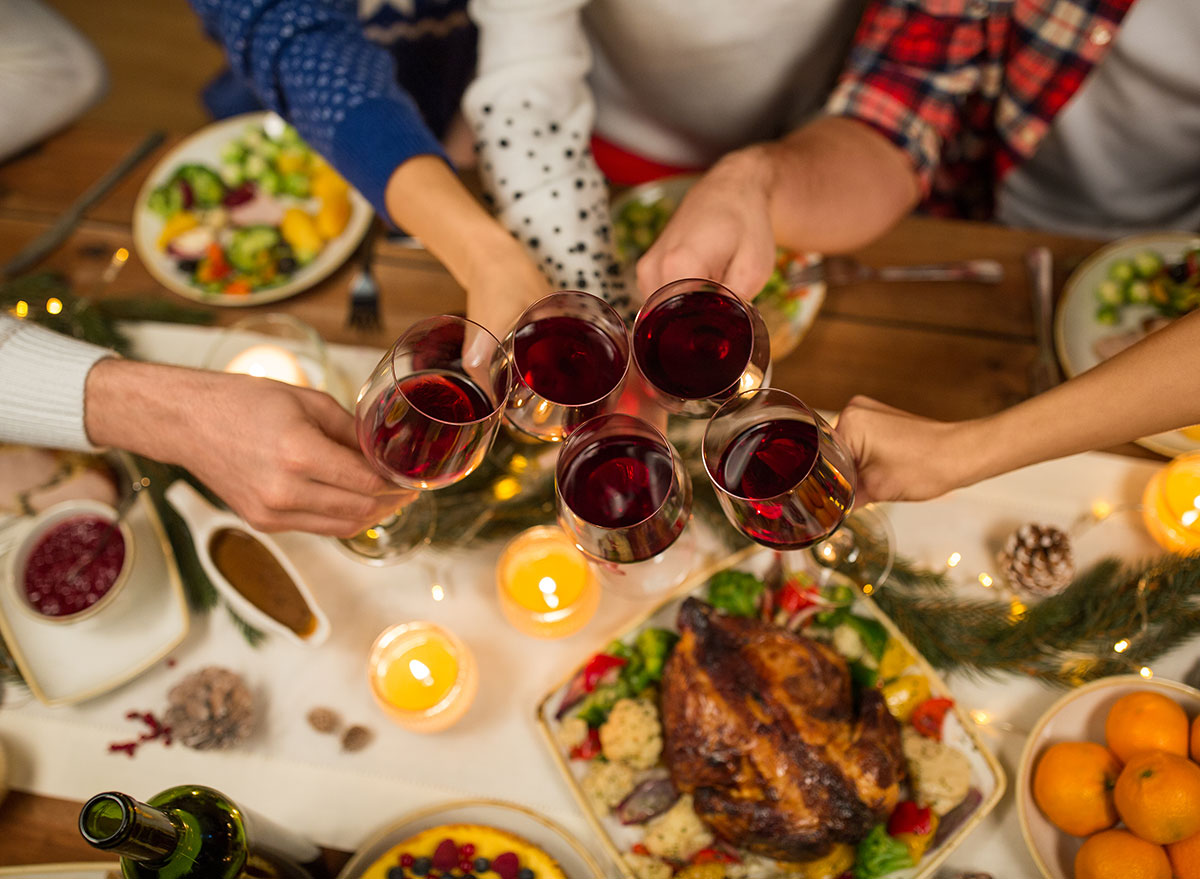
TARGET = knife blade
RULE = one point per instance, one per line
(1044, 374)
(42, 246)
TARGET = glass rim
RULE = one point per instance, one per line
(720, 290)
(502, 399)
(800, 404)
(666, 497)
(396, 630)
(511, 339)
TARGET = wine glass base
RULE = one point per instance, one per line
(395, 540)
(654, 576)
(862, 549)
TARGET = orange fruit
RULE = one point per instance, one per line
(1196, 739)
(1073, 785)
(1158, 797)
(1185, 857)
(1146, 721)
(1117, 854)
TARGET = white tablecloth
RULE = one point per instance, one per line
(299, 777)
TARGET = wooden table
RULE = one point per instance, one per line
(949, 351)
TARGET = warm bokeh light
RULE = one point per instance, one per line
(53, 305)
(955, 558)
(1121, 646)
(986, 581)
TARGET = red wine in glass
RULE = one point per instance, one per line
(568, 360)
(793, 496)
(623, 493)
(418, 424)
(694, 345)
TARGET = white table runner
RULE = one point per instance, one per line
(300, 778)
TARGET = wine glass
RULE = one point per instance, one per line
(785, 480)
(425, 419)
(571, 355)
(696, 345)
(625, 498)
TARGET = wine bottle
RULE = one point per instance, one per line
(193, 832)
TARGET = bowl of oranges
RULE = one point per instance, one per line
(1109, 782)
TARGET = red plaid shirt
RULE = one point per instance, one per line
(968, 88)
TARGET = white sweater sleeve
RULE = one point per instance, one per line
(49, 74)
(42, 377)
(531, 112)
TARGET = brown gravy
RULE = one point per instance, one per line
(254, 571)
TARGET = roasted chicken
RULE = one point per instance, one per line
(760, 726)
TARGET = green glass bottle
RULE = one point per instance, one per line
(193, 832)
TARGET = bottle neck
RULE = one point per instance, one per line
(118, 823)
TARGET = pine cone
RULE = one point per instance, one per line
(1037, 559)
(211, 709)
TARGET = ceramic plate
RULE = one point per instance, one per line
(987, 776)
(1077, 716)
(205, 147)
(788, 317)
(574, 859)
(1076, 329)
(63, 871)
(67, 663)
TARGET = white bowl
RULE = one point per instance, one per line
(1077, 716)
(44, 522)
(204, 521)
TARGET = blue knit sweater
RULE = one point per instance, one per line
(367, 93)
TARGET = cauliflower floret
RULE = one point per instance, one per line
(646, 867)
(941, 775)
(632, 734)
(678, 833)
(606, 784)
(572, 733)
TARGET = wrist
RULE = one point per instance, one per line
(128, 405)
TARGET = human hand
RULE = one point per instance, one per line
(905, 457)
(721, 231)
(283, 458)
(504, 286)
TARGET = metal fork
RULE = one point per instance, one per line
(364, 289)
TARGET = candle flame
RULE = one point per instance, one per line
(421, 672)
(548, 588)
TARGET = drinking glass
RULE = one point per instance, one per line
(570, 351)
(696, 345)
(426, 418)
(785, 481)
(625, 498)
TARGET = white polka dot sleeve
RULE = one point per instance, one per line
(532, 114)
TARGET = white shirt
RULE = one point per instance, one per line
(679, 81)
(1124, 154)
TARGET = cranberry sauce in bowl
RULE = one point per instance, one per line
(53, 550)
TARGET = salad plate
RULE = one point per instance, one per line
(243, 213)
(642, 814)
(1118, 294)
(638, 218)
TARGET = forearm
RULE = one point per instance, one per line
(1149, 388)
(832, 186)
(425, 198)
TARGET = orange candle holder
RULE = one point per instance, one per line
(422, 676)
(545, 584)
(1171, 505)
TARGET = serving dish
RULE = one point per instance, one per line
(986, 777)
(1077, 716)
(149, 618)
(205, 521)
(44, 522)
(1077, 328)
(205, 147)
(787, 309)
(575, 860)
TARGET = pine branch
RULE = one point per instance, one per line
(254, 637)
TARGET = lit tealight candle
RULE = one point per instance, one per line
(545, 585)
(422, 676)
(269, 361)
(1171, 505)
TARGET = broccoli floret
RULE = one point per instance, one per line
(735, 592)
